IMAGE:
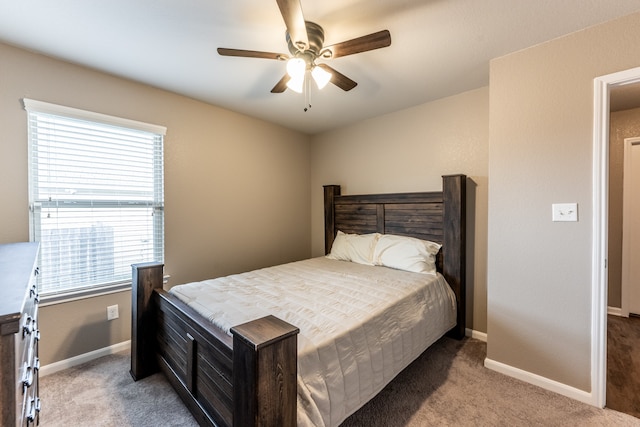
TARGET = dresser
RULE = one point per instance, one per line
(19, 335)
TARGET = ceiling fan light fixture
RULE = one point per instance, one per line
(296, 84)
(320, 76)
(296, 67)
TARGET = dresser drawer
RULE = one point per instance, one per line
(29, 331)
(19, 335)
(32, 404)
(30, 365)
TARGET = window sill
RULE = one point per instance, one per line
(48, 300)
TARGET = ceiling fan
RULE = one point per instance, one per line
(305, 41)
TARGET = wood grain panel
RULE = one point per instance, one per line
(217, 403)
(145, 277)
(264, 382)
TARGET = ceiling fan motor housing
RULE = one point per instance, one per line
(315, 34)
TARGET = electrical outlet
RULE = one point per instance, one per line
(112, 312)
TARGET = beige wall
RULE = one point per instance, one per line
(409, 151)
(529, 278)
(236, 188)
(622, 124)
(541, 143)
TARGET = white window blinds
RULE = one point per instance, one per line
(96, 197)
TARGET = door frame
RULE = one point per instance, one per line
(600, 181)
(626, 193)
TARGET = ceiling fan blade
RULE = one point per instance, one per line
(360, 44)
(291, 11)
(251, 54)
(339, 79)
(281, 86)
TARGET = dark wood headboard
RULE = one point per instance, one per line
(439, 216)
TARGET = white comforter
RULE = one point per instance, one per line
(359, 325)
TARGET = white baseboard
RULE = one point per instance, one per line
(615, 311)
(540, 381)
(83, 358)
(126, 345)
(482, 336)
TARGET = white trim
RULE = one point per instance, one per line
(482, 336)
(600, 184)
(47, 108)
(615, 311)
(47, 300)
(83, 358)
(540, 381)
(600, 240)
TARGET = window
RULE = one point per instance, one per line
(96, 198)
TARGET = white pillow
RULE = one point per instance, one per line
(406, 253)
(354, 247)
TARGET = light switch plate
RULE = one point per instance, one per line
(564, 212)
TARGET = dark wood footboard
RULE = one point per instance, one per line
(247, 380)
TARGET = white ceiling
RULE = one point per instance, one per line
(439, 47)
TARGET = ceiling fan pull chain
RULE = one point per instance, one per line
(309, 89)
(307, 94)
(304, 98)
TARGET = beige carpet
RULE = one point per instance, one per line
(101, 393)
(446, 386)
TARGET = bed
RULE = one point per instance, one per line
(250, 376)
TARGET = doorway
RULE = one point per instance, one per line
(623, 332)
(602, 89)
(630, 286)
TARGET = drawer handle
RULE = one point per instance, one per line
(33, 292)
(34, 409)
(27, 376)
(27, 326)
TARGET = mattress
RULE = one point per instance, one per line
(359, 325)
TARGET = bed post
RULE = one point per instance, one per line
(265, 369)
(330, 192)
(453, 247)
(145, 278)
